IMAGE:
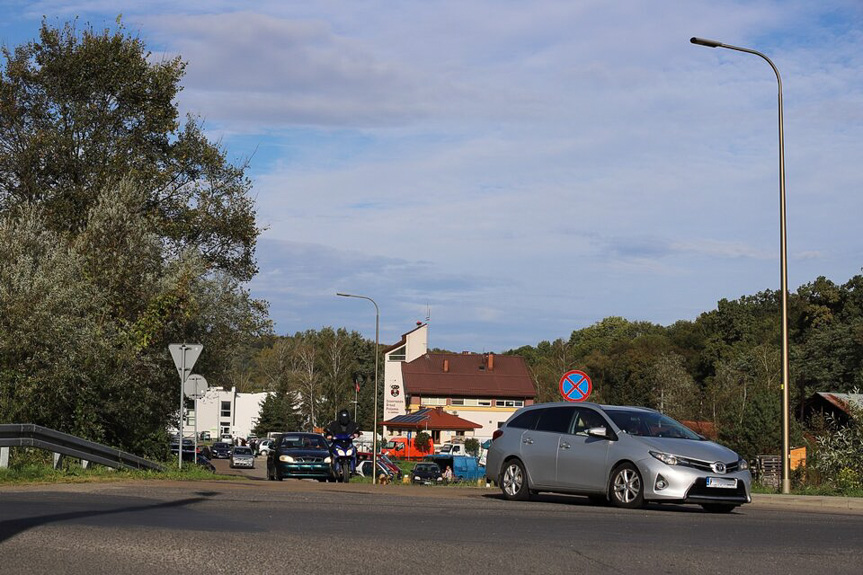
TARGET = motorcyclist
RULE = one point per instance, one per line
(341, 433)
(342, 425)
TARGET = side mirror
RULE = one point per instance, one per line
(600, 432)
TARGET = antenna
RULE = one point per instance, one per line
(428, 313)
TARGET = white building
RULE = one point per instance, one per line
(223, 411)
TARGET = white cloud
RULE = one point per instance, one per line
(524, 171)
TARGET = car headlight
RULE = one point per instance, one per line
(666, 458)
(742, 465)
(286, 458)
(328, 460)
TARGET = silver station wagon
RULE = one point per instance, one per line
(626, 455)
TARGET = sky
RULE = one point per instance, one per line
(513, 171)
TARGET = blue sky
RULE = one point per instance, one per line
(519, 170)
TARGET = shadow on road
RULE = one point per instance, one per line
(11, 527)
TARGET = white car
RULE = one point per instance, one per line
(264, 447)
(227, 438)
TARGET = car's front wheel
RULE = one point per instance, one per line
(627, 488)
(513, 481)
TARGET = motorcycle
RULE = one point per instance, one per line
(344, 456)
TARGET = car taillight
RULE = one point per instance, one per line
(497, 433)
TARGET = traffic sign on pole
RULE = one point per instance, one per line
(575, 385)
(185, 355)
(195, 386)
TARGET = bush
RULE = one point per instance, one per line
(839, 458)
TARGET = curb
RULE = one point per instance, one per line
(813, 502)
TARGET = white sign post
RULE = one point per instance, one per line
(185, 356)
(195, 388)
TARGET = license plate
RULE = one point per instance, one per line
(721, 482)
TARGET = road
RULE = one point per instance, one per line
(256, 526)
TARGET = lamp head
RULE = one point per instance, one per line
(704, 42)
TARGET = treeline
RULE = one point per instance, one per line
(724, 367)
(311, 376)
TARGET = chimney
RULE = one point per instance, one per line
(491, 361)
(446, 366)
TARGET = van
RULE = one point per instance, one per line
(464, 467)
(404, 448)
(452, 449)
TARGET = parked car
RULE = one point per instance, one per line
(426, 474)
(264, 446)
(221, 450)
(198, 458)
(227, 438)
(464, 467)
(299, 455)
(628, 455)
(242, 456)
(188, 445)
(205, 436)
(364, 468)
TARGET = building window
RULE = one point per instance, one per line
(398, 354)
(457, 401)
(226, 409)
(509, 403)
(433, 401)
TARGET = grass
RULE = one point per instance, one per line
(36, 466)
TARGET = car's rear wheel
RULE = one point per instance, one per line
(513, 481)
(718, 507)
(627, 488)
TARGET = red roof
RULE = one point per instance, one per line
(468, 375)
(431, 418)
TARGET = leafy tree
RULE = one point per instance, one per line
(471, 445)
(675, 392)
(81, 111)
(121, 233)
(423, 441)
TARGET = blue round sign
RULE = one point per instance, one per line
(575, 385)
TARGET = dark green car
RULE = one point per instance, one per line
(300, 456)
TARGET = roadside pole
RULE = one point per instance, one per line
(184, 357)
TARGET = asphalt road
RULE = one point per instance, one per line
(258, 526)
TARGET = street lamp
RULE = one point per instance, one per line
(783, 260)
(375, 425)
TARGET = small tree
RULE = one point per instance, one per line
(423, 441)
(471, 445)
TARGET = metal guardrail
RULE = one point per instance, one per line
(31, 435)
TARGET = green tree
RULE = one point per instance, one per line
(121, 233)
(80, 111)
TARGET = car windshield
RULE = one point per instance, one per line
(426, 467)
(242, 451)
(649, 424)
(220, 445)
(303, 442)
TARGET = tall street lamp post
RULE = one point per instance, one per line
(783, 261)
(377, 343)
